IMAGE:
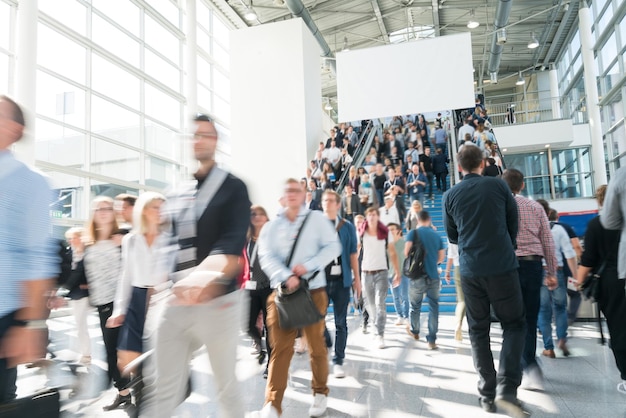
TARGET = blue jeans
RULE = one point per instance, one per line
(531, 280)
(340, 296)
(419, 196)
(417, 288)
(503, 293)
(401, 296)
(8, 375)
(556, 298)
(380, 197)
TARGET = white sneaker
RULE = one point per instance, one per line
(380, 341)
(399, 321)
(338, 371)
(268, 411)
(319, 405)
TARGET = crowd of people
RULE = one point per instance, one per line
(180, 270)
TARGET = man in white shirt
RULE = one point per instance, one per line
(389, 213)
(333, 154)
(377, 242)
(466, 129)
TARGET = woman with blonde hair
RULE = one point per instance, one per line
(144, 266)
(102, 268)
(410, 222)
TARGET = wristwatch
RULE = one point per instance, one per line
(32, 323)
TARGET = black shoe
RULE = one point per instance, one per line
(261, 357)
(265, 373)
(120, 401)
(487, 404)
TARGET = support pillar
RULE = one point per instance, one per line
(26, 75)
(554, 93)
(591, 91)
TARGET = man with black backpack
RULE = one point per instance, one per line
(425, 248)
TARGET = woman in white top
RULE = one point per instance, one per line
(102, 262)
(144, 266)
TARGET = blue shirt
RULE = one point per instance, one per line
(347, 237)
(27, 250)
(432, 244)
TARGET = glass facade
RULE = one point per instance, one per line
(110, 99)
(555, 174)
(609, 38)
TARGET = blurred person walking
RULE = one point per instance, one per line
(210, 217)
(25, 225)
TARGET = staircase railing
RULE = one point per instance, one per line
(365, 143)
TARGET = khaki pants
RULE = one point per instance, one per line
(282, 341)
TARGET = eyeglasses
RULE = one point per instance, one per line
(105, 209)
(200, 135)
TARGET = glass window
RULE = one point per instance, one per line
(59, 100)
(203, 40)
(575, 43)
(59, 145)
(163, 141)
(161, 70)
(5, 25)
(221, 31)
(162, 107)
(204, 98)
(531, 165)
(221, 84)
(203, 15)
(125, 13)
(204, 71)
(4, 72)
(99, 188)
(622, 31)
(578, 62)
(159, 173)
(111, 80)
(168, 10)
(114, 40)
(69, 193)
(608, 52)
(222, 109)
(220, 55)
(114, 161)
(161, 39)
(115, 122)
(59, 54)
(569, 186)
(69, 12)
(604, 20)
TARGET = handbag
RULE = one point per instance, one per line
(42, 404)
(296, 309)
(590, 288)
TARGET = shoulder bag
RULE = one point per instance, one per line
(296, 309)
(413, 266)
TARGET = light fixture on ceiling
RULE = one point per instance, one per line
(501, 36)
(520, 80)
(345, 44)
(249, 14)
(533, 43)
(493, 76)
(473, 23)
(328, 105)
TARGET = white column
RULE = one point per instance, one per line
(554, 93)
(25, 75)
(276, 105)
(591, 91)
(191, 80)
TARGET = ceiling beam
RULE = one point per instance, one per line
(436, 24)
(379, 19)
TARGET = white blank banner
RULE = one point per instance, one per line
(421, 76)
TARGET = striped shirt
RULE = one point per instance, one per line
(103, 266)
(27, 251)
(534, 236)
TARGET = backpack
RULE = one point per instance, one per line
(65, 262)
(413, 266)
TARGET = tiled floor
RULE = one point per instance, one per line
(403, 380)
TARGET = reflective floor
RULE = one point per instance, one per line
(403, 380)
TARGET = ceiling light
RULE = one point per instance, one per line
(533, 43)
(547, 145)
(520, 80)
(473, 23)
(504, 150)
(249, 15)
(494, 77)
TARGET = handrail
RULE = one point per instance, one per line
(359, 154)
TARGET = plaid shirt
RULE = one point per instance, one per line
(534, 236)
